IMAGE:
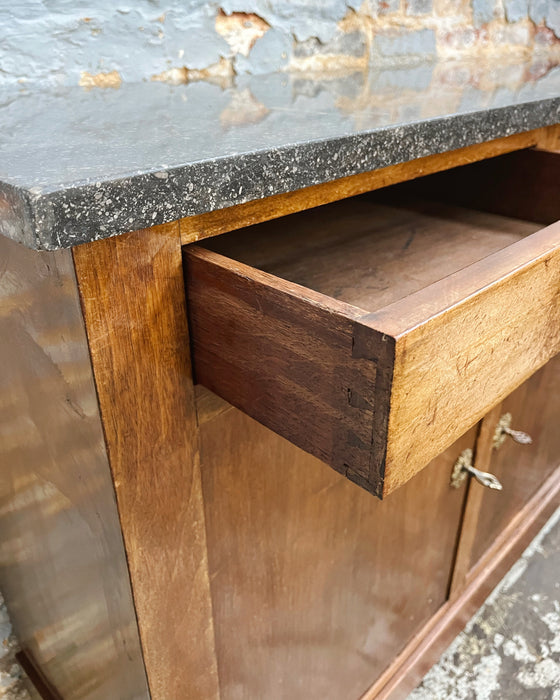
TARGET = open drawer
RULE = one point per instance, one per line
(374, 332)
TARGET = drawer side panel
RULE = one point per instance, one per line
(286, 361)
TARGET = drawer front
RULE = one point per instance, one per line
(376, 395)
(465, 343)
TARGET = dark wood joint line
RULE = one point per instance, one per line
(36, 677)
(379, 348)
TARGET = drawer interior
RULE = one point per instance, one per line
(369, 252)
(522, 185)
(374, 249)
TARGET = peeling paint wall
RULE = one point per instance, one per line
(105, 43)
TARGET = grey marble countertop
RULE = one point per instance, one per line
(80, 165)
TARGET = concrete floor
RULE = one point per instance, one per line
(11, 685)
(511, 648)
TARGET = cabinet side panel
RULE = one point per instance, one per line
(63, 569)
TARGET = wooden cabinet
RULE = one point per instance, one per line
(318, 588)
(381, 336)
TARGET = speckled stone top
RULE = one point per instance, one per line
(81, 165)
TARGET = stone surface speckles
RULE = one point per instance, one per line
(82, 165)
(510, 650)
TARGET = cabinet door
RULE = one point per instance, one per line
(316, 584)
(535, 409)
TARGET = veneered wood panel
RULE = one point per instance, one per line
(134, 306)
(63, 570)
(535, 409)
(425, 648)
(195, 228)
(315, 585)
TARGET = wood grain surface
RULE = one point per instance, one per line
(535, 408)
(368, 253)
(482, 460)
(286, 356)
(316, 586)
(464, 343)
(134, 307)
(63, 568)
(412, 664)
(523, 185)
(213, 223)
(549, 138)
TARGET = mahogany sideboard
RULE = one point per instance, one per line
(300, 520)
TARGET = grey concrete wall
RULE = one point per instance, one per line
(104, 43)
